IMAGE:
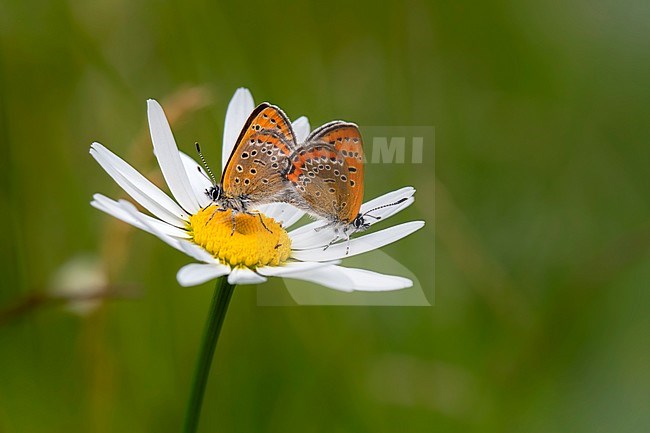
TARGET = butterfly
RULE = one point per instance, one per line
(253, 174)
(327, 176)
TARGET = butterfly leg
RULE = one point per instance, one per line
(336, 238)
(347, 248)
(317, 229)
(213, 214)
(262, 221)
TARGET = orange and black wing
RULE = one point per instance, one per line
(261, 152)
(327, 171)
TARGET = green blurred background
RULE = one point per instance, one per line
(542, 260)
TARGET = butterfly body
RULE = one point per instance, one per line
(237, 204)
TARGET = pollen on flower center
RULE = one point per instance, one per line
(250, 245)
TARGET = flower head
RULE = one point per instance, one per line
(247, 248)
(256, 240)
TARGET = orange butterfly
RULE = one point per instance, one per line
(253, 174)
(327, 175)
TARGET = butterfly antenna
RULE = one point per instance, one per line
(205, 164)
(401, 200)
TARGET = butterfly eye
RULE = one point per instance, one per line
(214, 193)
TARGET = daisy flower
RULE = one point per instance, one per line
(252, 253)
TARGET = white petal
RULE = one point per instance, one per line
(138, 187)
(187, 247)
(115, 209)
(198, 273)
(168, 158)
(301, 128)
(327, 276)
(118, 213)
(133, 212)
(306, 237)
(291, 216)
(351, 279)
(368, 281)
(198, 179)
(240, 107)
(291, 268)
(283, 213)
(244, 276)
(359, 245)
(197, 252)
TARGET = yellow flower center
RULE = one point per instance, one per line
(250, 245)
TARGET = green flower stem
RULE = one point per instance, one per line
(220, 300)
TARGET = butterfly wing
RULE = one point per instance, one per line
(312, 174)
(327, 171)
(261, 152)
